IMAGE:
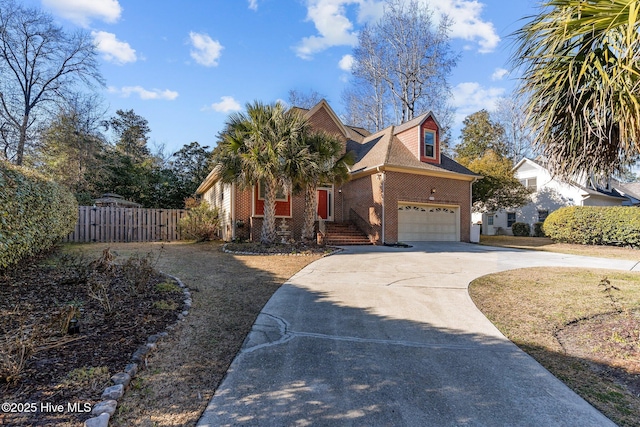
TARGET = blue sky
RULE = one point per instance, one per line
(186, 65)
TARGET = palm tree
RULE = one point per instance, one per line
(263, 145)
(581, 76)
(329, 165)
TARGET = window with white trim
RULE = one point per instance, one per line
(511, 219)
(280, 194)
(429, 143)
(530, 183)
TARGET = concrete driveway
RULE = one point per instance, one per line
(378, 336)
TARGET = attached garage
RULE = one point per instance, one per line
(418, 222)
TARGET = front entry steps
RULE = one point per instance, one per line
(343, 234)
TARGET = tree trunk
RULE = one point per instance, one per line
(310, 209)
(268, 234)
(22, 141)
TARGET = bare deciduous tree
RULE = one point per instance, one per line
(40, 65)
(401, 66)
(519, 139)
(304, 99)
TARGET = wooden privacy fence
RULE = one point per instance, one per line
(111, 224)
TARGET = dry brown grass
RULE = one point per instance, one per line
(530, 306)
(228, 292)
(546, 244)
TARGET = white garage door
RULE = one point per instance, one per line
(428, 223)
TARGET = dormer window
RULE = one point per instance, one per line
(429, 143)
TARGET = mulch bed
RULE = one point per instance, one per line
(297, 248)
(43, 362)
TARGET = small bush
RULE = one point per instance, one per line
(165, 305)
(201, 223)
(88, 378)
(590, 225)
(34, 213)
(521, 229)
(537, 229)
(167, 286)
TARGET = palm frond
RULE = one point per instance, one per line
(581, 74)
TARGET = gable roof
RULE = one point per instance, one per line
(334, 117)
(384, 150)
(208, 182)
(417, 121)
(358, 133)
(630, 189)
(592, 190)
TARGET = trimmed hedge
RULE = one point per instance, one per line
(34, 213)
(538, 230)
(521, 229)
(590, 225)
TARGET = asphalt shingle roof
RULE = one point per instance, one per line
(384, 148)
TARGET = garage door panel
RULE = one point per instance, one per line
(427, 223)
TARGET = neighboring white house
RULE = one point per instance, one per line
(549, 194)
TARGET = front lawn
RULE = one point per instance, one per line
(577, 325)
(546, 244)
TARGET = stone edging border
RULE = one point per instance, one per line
(334, 250)
(104, 409)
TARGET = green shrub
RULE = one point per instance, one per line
(521, 229)
(201, 223)
(586, 225)
(537, 229)
(35, 213)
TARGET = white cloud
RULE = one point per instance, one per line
(226, 105)
(470, 97)
(143, 93)
(346, 63)
(253, 4)
(206, 51)
(113, 50)
(370, 10)
(336, 29)
(499, 74)
(467, 22)
(83, 11)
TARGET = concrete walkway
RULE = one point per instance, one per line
(380, 336)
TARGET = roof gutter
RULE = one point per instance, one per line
(404, 169)
(208, 182)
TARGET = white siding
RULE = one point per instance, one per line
(551, 194)
(219, 196)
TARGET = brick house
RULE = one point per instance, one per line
(402, 188)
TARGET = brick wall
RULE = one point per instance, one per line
(364, 196)
(417, 188)
(322, 120)
(254, 223)
(339, 214)
(243, 212)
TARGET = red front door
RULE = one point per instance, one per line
(323, 204)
